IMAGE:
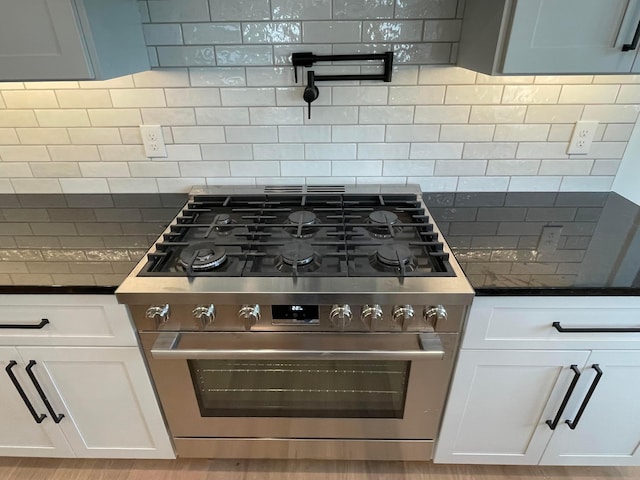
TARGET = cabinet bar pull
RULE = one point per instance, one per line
(576, 375)
(38, 326)
(56, 418)
(573, 424)
(37, 417)
(634, 43)
(562, 329)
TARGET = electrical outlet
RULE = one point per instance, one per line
(582, 137)
(153, 141)
(549, 238)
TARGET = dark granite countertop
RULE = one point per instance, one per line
(77, 243)
(507, 243)
(543, 243)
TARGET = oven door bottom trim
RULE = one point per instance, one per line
(391, 450)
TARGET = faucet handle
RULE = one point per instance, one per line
(311, 92)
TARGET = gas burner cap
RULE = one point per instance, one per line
(223, 222)
(297, 254)
(302, 223)
(383, 217)
(393, 255)
(382, 224)
(208, 256)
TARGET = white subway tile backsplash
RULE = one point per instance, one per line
(416, 95)
(244, 55)
(24, 153)
(417, 168)
(120, 117)
(586, 184)
(227, 152)
(252, 134)
(278, 151)
(29, 99)
(211, 33)
(276, 115)
(362, 95)
(412, 133)
(198, 134)
(335, 32)
(154, 169)
(333, 151)
(62, 118)
(497, 114)
(466, 133)
(589, 94)
(611, 113)
(305, 134)
(251, 168)
(442, 114)
(436, 151)
(358, 133)
(231, 112)
(235, 97)
(217, 77)
(393, 31)
(18, 118)
(383, 151)
(392, 114)
(222, 116)
(204, 169)
(357, 168)
(306, 168)
(168, 116)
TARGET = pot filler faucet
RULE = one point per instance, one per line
(307, 59)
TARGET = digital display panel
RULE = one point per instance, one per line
(301, 313)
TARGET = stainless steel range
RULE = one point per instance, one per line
(301, 322)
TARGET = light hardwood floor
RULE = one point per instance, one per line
(54, 469)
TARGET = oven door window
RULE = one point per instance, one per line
(314, 389)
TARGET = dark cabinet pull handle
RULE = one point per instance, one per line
(37, 417)
(38, 326)
(573, 424)
(562, 329)
(56, 418)
(634, 43)
(576, 375)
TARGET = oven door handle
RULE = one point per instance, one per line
(315, 346)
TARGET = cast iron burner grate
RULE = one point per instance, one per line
(313, 234)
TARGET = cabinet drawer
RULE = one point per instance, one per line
(528, 323)
(64, 320)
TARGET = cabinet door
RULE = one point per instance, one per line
(20, 434)
(499, 402)
(107, 399)
(608, 433)
(572, 36)
(41, 40)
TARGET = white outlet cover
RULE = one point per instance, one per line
(583, 134)
(153, 141)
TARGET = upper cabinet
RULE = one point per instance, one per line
(70, 40)
(524, 37)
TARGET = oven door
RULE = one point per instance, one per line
(301, 385)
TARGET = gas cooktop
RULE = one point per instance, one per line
(320, 231)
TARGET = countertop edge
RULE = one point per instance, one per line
(55, 289)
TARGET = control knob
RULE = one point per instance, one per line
(434, 314)
(403, 315)
(205, 313)
(371, 315)
(158, 313)
(340, 316)
(250, 314)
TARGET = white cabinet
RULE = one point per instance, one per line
(525, 393)
(549, 36)
(70, 39)
(97, 401)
